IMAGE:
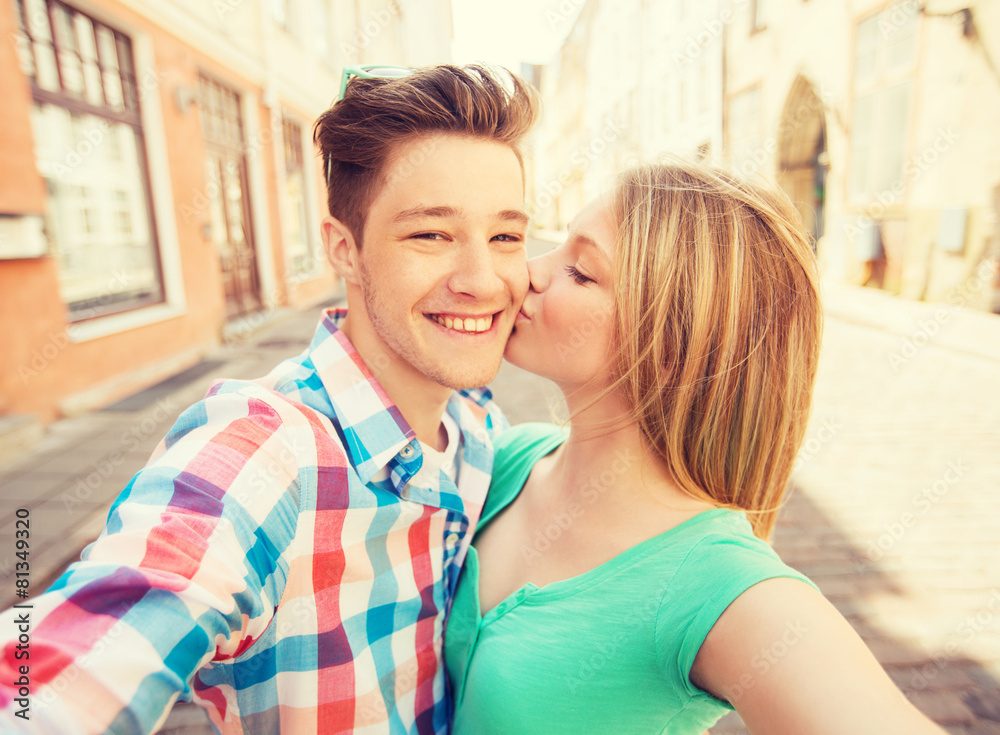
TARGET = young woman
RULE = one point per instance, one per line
(620, 580)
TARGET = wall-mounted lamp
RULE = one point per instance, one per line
(964, 15)
(968, 26)
(184, 97)
(970, 33)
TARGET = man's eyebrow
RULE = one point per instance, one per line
(506, 215)
(513, 215)
(418, 212)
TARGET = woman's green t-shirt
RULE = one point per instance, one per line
(609, 650)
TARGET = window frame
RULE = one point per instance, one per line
(883, 80)
(759, 137)
(79, 104)
(756, 23)
(293, 159)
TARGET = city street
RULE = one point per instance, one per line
(168, 171)
(894, 512)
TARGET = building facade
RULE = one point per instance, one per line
(633, 80)
(159, 186)
(878, 119)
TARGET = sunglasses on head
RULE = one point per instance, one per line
(370, 71)
(366, 71)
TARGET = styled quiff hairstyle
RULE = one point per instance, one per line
(359, 134)
(717, 330)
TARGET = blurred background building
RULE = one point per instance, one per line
(159, 195)
(879, 119)
(159, 191)
(158, 186)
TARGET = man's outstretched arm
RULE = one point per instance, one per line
(188, 570)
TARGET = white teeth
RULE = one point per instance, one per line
(468, 324)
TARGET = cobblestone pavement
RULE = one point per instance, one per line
(895, 512)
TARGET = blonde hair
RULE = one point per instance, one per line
(717, 330)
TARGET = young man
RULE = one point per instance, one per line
(287, 557)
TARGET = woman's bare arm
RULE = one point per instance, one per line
(791, 664)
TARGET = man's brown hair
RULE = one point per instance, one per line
(358, 135)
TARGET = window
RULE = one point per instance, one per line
(322, 30)
(281, 13)
(297, 252)
(760, 10)
(662, 103)
(746, 150)
(704, 83)
(650, 126)
(885, 53)
(227, 188)
(89, 148)
(680, 110)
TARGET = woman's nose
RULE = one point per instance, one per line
(538, 273)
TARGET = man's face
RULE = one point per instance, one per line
(442, 264)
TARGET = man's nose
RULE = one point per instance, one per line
(476, 272)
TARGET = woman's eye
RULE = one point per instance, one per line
(578, 276)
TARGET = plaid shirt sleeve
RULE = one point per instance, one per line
(188, 571)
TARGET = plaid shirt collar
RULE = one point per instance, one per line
(356, 396)
(373, 430)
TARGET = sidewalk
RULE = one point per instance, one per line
(894, 515)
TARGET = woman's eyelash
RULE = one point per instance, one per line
(578, 276)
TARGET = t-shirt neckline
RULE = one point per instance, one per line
(569, 585)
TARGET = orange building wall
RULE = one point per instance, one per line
(32, 314)
(32, 333)
(22, 189)
(29, 318)
(39, 366)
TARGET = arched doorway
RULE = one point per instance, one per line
(803, 160)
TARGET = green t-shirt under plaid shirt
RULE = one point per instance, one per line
(606, 651)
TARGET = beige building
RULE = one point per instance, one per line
(633, 79)
(878, 118)
(159, 189)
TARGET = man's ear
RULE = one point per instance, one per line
(341, 249)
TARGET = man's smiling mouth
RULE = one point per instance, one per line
(464, 323)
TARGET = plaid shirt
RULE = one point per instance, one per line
(271, 562)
